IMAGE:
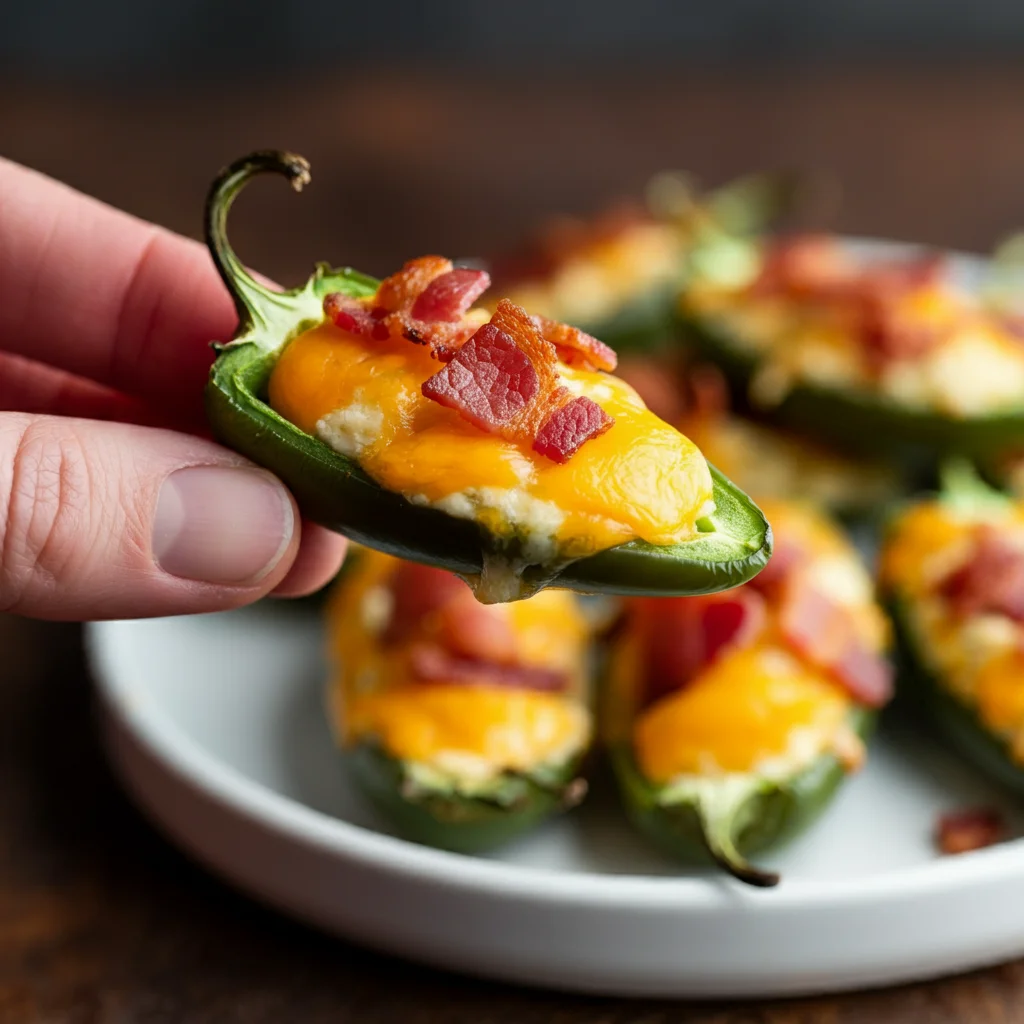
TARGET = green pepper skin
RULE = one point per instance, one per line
(692, 829)
(957, 721)
(465, 823)
(858, 421)
(332, 489)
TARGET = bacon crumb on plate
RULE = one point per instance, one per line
(969, 829)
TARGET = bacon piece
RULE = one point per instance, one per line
(569, 427)
(349, 314)
(504, 380)
(991, 581)
(787, 556)
(824, 632)
(480, 632)
(804, 266)
(683, 635)
(971, 829)
(894, 278)
(419, 591)
(448, 297)
(886, 335)
(398, 292)
(490, 380)
(576, 347)
(430, 663)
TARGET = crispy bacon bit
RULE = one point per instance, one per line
(448, 297)
(787, 556)
(686, 634)
(453, 638)
(824, 632)
(490, 380)
(480, 632)
(349, 314)
(398, 292)
(569, 427)
(503, 377)
(576, 347)
(966, 830)
(803, 266)
(504, 380)
(991, 581)
(815, 269)
(419, 591)
(431, 663)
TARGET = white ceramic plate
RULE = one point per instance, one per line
(215, 725)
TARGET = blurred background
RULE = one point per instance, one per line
(455, 126)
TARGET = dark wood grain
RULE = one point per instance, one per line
(101, 922)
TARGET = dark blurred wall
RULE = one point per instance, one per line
(117, 38)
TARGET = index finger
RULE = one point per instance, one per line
(104, 295)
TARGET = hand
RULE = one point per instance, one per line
(105, 324)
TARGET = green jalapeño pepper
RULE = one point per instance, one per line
(466, 725)
(880, 355)
(509, 541)
(731, 719)
(953, 573)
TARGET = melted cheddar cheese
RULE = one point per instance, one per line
(979, 657)
(641, 478)
(755, 710)
(760, 709)
(976, 367)
(471, 731)
(598, 279)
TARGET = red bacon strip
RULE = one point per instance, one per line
(480, 632)
(815, 269)
(972, 829)
(398, 292)
(686, 634)
(804, 266)
(419, 591)
(452, 637)
(991, 581)
(576, 347)
(502, 377)
(504, 380)
(448, 297)
(787, 557)
(430, 663)
(351, 315)
(569, 427)
(490, 380)
(824, 633)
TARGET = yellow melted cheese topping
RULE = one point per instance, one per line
(977, 366)
(599, 279)
(471, 731)
(979, 657)
(641, 478)
(760, 709)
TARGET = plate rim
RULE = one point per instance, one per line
(188, 760)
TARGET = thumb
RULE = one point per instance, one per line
(108, 520)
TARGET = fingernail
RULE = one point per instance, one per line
(221, 525)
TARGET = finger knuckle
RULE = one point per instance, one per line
(45, 488)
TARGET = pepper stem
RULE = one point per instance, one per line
(719, 838)
(245, 290)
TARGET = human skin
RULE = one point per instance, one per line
(113, 503)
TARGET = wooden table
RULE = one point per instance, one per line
(101, 922)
